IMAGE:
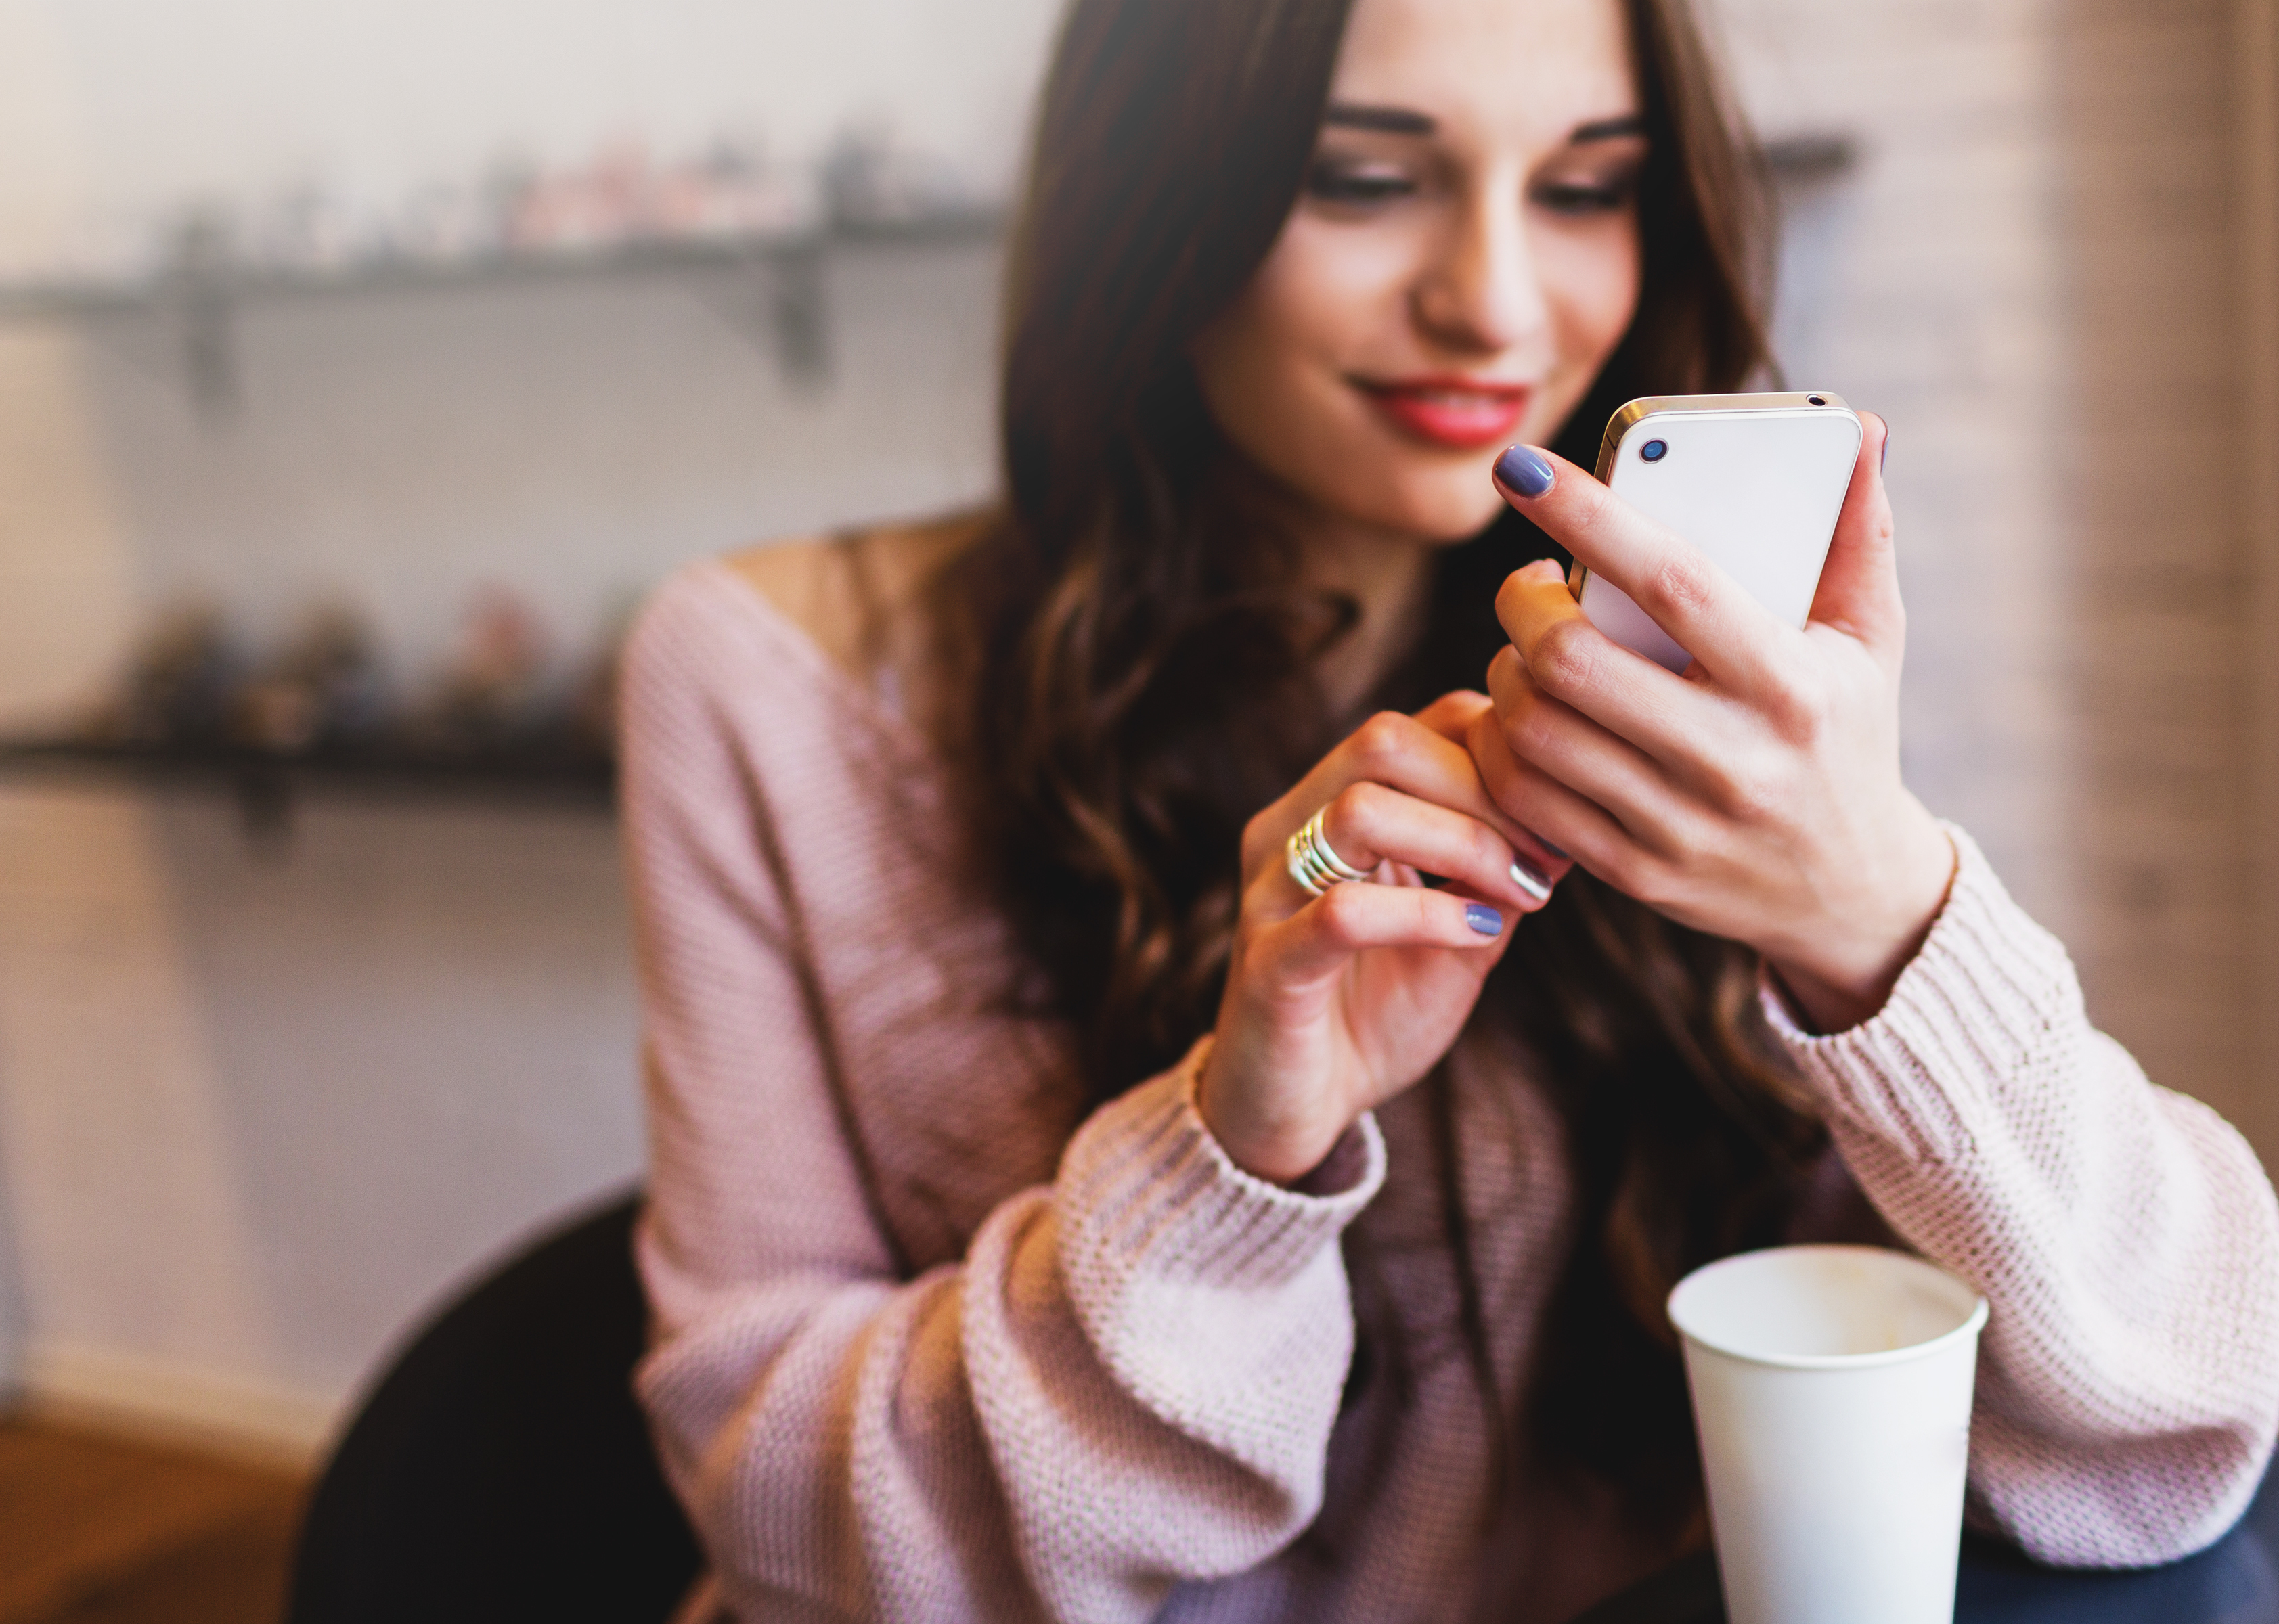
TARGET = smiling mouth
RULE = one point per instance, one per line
(1460, 413)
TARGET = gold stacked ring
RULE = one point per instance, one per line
(1313, 864)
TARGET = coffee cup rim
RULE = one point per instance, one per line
(1971, 1324)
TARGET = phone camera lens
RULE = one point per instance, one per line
(1654, 450)
(1815, 399)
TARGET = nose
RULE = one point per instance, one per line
(1482, 292)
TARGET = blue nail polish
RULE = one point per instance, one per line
(1884, 455)
(1547, 847)
(1484, 919)
(1523, 469)
(1531, 879)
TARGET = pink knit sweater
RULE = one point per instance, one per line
(1081, 1367)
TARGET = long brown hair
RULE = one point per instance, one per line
(1139, 660)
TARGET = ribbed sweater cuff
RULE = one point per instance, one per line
(1981, 999)
(1144, 1187)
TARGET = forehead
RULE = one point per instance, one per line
(1522, 73)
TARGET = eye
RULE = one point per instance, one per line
(1356, 185)
(1581, 197)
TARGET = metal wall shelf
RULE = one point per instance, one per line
(203, 291)
(268, 788)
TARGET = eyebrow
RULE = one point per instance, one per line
(1409, 121)
(1392, 120)
(1607, 129)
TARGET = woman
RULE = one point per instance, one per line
(1061, 1211)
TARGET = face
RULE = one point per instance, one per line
(1462, 259)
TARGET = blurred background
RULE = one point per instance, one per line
(363, 361)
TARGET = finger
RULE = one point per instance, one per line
(1575, 663)
(1400, 753)
(1583, 830)
(1454, 717)
(1319, 939)
(1369, 824)
(1858, 590)
(1451, 715)
(1680, 588)
(1571, 748)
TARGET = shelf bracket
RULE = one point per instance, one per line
(801, 316)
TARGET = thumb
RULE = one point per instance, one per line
(1859, 591)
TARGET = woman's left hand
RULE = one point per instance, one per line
(1758, 796)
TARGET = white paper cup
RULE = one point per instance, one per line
(1831, 1389)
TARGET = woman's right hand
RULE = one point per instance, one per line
(1336, 1003)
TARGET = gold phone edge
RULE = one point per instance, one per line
(1639, 410)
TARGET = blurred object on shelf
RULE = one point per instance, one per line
(727, 194)
(177, 683)
(869, 179)
(622, 198)
(501, 714)
(325, 687)
(732, 191)
(312, 229)
(442, 224)
(493, 689)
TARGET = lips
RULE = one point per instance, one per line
(1466, 413)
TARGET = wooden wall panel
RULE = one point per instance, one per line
(2056, 270)
(2255, 66)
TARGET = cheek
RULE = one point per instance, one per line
(1272, 369)
(1329, 304)
(1590, 285)
(1323, 283)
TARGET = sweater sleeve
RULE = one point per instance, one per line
(1127, 1383)
(2125, 1239)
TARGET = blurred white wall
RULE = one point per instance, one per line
(257, 1103)
(260, 1102)
(155, 103)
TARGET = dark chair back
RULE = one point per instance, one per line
(502, 1470)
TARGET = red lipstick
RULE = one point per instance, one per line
(1450, 409)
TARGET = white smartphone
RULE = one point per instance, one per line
(1754, 481)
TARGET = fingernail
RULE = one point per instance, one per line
(1884, 455)
(1547, 847)
(1524, 469)
(1484, 919)
(1531, 879)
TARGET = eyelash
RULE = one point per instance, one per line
(1566, 198)
(1362, 189)
(1334, 185)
